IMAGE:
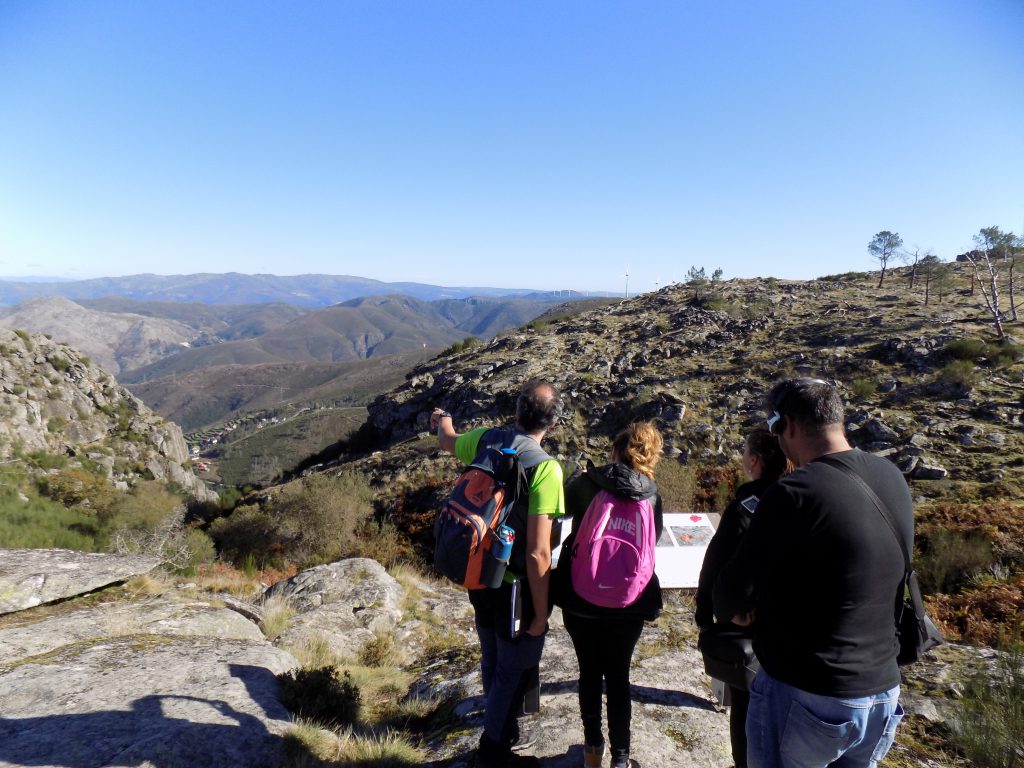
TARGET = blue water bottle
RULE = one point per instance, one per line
(497, 560)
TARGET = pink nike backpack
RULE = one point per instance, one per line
(613, 555)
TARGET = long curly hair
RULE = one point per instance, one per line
(639, 446)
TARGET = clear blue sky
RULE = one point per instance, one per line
(534, 144)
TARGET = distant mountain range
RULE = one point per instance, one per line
(145, 340)
(258, 355)
(236, 288)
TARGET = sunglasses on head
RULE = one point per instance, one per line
(776, 423)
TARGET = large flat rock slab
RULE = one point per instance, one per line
(27, 637)
(145, 700)
(31, 577)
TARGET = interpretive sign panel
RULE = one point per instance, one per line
(681, 548)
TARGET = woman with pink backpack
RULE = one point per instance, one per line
(605, 582)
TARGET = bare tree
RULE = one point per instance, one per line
(914, 258)
(883, 247)
(992, 243)
(929, 268)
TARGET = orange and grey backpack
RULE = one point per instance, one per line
(492, 491)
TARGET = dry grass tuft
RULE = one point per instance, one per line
(277, 613)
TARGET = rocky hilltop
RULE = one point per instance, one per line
(59, 406)
(701, 362)
(118, 341)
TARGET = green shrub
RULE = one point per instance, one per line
(379, 651)
(1000, 353)
(383, 543)
(44, 460)
(59, 363)
(863, 387)
(990, 719)
(18, 389)
(77, 487)
(1006, 353)
(320, 695)
(201, 548)
(248, 532)
(56, 424)
(966, 349)
(959, 373)
(40, 523)
(317, 516)
(24, 336)
(950, 559)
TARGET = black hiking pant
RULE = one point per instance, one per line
(604, 649)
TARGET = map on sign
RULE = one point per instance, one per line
(680, 553)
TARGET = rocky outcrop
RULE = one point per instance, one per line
(57, 404)
(343, 604)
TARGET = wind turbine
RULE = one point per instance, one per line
(627, 280)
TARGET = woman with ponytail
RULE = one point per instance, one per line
(604, 638)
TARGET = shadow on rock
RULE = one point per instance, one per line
(148, 733)
(641, 694)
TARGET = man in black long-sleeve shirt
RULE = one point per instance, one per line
(818, 575)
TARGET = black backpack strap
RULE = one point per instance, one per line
(883, 510)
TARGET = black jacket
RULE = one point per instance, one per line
(734, 524)
(824, 573)
(622, 481)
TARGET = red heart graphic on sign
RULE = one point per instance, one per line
(695, 518)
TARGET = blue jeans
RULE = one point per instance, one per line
(791, 728)
(503, 663)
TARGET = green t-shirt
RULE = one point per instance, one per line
(546, 494)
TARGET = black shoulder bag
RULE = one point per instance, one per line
(915, 630)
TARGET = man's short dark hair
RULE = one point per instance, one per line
(814, 403)
(539, 405)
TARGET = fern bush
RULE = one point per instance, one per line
(950, 559)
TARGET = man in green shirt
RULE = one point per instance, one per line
(506, 654)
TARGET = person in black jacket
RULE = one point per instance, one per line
(763, 464)
(604, 638)
(819, 575)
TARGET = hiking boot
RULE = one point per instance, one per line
(593, 755)
(527, 735)
(491, 755)
(624, 762)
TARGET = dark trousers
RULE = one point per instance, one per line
(739, 701)
(504, 665)
(604, 649)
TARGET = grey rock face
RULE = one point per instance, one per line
(879, 431)
(112, 681)
(343, 603)
(928, 470)
(56, 401)
(145, 700)
(31, 577)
